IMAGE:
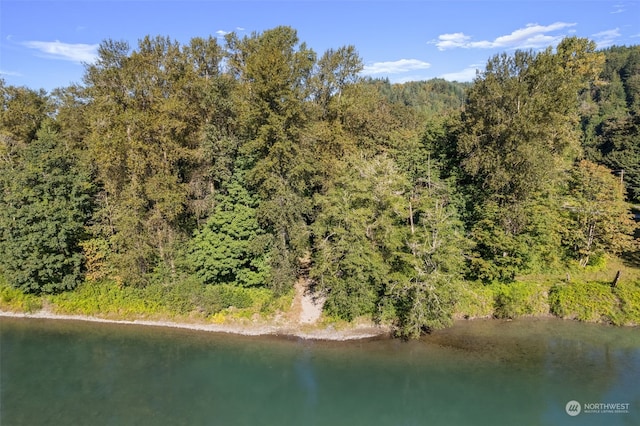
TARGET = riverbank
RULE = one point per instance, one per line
(244, 328)
(254, 312)
(299, 313)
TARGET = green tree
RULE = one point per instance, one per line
(611, 122)
(231, 248)
(435, 249)
(599, 220)
(46, 203)
(355, 234)
(336, 69)
(389, 244)
(22, 112)
(70, 111)
(521, 118)
(519, 135)
(146, 112)
(620, 150)
(274, 72)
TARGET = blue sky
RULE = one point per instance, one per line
(44, 43)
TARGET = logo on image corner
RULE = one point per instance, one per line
(572, 408)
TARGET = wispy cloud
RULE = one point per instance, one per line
(467, 74)
(532, 36)
(10, 73)
(222, 33)
(618, 8)
(395, 67)
(74, 52)
(606, 38)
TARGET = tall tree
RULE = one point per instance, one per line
(611, 121)
(435, 249)
(355, 235)
(146, 113)
(46, 203)
(519, 134)
(336, 69)
(274, 71)
(22, 112)
(521, 118)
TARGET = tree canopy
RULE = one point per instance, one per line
(253, 161)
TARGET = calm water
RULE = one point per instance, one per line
(478, 372)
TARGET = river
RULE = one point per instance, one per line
(484, 372)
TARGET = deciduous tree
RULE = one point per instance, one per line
(599, 220)
(46, 204)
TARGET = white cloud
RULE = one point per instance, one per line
(395, 67)
(10, 73)
(239, 29)
(222, 33)
(450, 41)
(619, 8)
(532, 36)
(606, 38)
(467, 74)
(78, 52)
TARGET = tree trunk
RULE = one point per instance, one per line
(411, 218)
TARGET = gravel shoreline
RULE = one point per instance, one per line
(249, 329)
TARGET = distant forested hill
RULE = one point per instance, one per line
(429, 97)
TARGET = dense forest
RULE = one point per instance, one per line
(203, 175)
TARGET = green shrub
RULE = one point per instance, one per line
(12, 299)
(219, 297)
(591, 301)
(517, 299)
(474, 300)
(629, 296)
(179, 298)
(271, 303)
(105, 298)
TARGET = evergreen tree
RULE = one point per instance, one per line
(611, 119)
(355, 236)
(274, 72)
(232, 247)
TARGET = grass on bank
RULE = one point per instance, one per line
(188, 300)
(584, 294)
(13, 300)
